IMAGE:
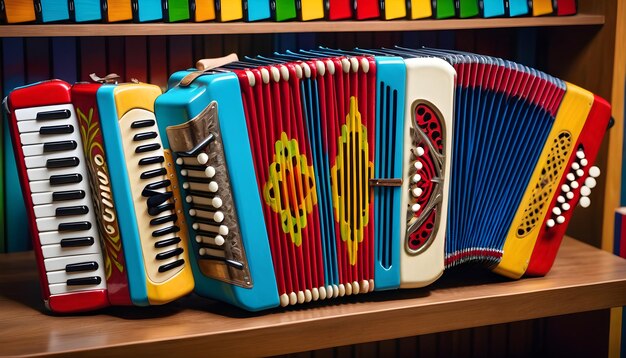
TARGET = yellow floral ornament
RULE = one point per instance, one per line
(350, 181)
(290, 189)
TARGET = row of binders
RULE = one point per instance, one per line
(79, 11)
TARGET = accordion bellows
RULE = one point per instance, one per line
(317, 174)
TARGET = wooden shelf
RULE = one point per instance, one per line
(129, 29)
(583, 279)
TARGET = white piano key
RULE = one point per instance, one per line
(59, 263)
(47, 210)
(26, 114)
(61, 276)
(30, 150)
(45, 173)
(51, 238)
(57, 251)
(60, 288)
(35, 125)
(52, 223)
(41, 186)
(36, 138)
(39, 161)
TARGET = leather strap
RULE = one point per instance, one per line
(205, 65)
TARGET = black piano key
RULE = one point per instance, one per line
(83, 266)
(153, 173)
(156, 210)
(163, 219)
(62, 129)
(151, 160)
(77, 242)
(72, 210)
(159, 184)
(147, 147)
(199, 168)
(59, 146)
(142, 123)
(65, 179)
(158, 199)
(58, 114)
(76, 226)
(203, 180)
(167, 242)
(171, 253)
(203, 194)
(200, 220)
(94, 280)
(144, 136)
(148, 193)
(203, 207)
(171, 265)
(165, 231)
(68, 195)
(62, 162)
(206, 233)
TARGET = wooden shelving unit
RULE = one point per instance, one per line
(583, 279)
(284, 27)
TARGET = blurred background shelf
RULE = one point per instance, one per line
(131, 29)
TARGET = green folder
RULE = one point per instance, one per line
(444, 9)
(283, 10)
(468, 8)
(176, 10)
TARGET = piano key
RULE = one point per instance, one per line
(62, 162)
(41, 186)
(153, 173)
(143, 123)
(171, 265)
(36, 126)
(40, 161)
(147, 148)
(60, 288)
(49, 197)
(72, 210)
(165, 231)
(170, 253)
(65, 179)
(144, 136)
(49, 147)
(63, 224)
(60, 263)
(151, 160)
(164, 219)
(47, 210)
(159, 185)
(45, 173)
(81, 267)
(37, 138)
(156, 210)
(62, 276)
(60, 129)
(56, 250)
(158, 199)
(77, 241)
(93, 280)
(55, 237)
(167, 242)
(54, 112)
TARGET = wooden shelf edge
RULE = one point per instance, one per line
(131, 29)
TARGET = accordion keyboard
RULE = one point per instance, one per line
(57, 176)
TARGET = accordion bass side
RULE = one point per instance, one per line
(144, 186)
(337, 228)
(54, 180)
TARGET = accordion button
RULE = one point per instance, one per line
(209, 172)
(315, 293)
(223, 230)
(416, 178)
(416, 192)
(418, 165)
(560, 219)
(213, 187)
(371, 285)
(571, 176)
(202, 158)
(420, 151)
(218, 217)
(217, 202)
(574, 184)
(300, 297)
(219, 240)
(185, 185)
(415, 207)
(580, 154)
(575, 166)
(569, 195)
(293, 298)
(179, 161)
(590, 182)
(189, 199)
(322, 291)
(594, 172)
(308, 296)
(347, 289)
(560, 199)
(584, 162)
(184, 172)
(356, 288)
(565, 188)
(565, 207)
(585, 190)
(585, 201)
(284, 300)
(556, 211)
(580, 172)
(550, 223)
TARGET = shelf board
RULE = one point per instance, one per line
(130, 29)
(583, 279)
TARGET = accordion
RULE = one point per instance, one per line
(100, 235)
(305, 176)
(318, 174)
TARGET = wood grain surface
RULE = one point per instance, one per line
(583, 279)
